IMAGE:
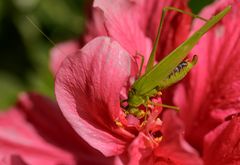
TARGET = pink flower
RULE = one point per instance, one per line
(61, 51)
(89, 86)
(209, 97)
(35, 132)
(91, 82)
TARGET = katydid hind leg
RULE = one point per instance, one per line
(154, 50)
(167, 106)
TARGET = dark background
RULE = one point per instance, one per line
(24, 52)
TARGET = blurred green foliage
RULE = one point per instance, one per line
(24, 52)
(197, 5)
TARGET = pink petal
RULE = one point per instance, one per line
(174, 149)
(60, 52)
(41, 112)
(221, 146)
(17, 136)
(138, 148)
(88, 89)
(214, 83)
(11, 160)
(122, 23)
(138, 152)
(95, 27)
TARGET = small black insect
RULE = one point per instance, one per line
(178, 68)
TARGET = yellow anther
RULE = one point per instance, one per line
(158, 139)
(159, 93)
(118, 123)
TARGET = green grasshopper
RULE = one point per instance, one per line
(169, 70)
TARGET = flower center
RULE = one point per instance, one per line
(145, 118)
(143, 111)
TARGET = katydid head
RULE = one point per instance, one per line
(134, 100)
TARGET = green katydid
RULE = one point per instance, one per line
(162, 74)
